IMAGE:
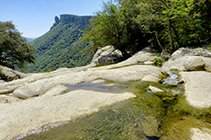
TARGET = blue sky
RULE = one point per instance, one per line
(33, 18)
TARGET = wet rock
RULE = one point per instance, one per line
(172, 78)
(197, 88)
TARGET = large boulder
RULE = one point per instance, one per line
(186, 59)
(197, 88)
(190, 52)
(9, 74)
(185, 63)
(106, 55)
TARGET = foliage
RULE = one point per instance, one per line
(175, 23)
(60, 47)
(158, 61)
(114, 25)
(14, 50)
(165, 24)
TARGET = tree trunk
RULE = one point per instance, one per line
(170, 37)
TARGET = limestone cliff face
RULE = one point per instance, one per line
(82, 21)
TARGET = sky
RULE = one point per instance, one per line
(34, 18)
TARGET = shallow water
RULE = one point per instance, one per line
(147, 117)
(98, 85)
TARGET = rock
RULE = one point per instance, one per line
(54, 91)
(148, 62)
(150, 78)
(196, 65)
(200, 134)
(10, 74)
(130, 73)
(39, 87)
(8, 99)
(197, 89)
(155, 89)
(142, 57)
(106, 55)
(190, 52)
(185, 63)
(20, 117)
(207, 62)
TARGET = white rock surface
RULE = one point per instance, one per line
(20, 117)
(185, 63)
(197, 88)
(155, 89)
(150, 78)
(197, 134)
(39, 87)
(8, 99)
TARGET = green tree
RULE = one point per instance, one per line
(14, 50)
(176, 23)
(114, 25)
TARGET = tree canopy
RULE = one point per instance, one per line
(114, 25)
(14, 49)
(130, 25)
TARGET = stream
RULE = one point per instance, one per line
(149, 116)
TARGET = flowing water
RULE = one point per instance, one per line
(148, 116)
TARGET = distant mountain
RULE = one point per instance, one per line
(61, 46)
(29, 39)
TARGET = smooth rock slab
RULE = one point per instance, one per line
(197, 88)
(130, 73)
(31, 114)
(197, 134)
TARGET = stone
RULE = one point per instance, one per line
(200, 134)
(106, 55)
(197, 88)
(207, 62)
(150, 78)
(41, 86)
(196, 65)
(54, 91)
(185, 63)
(8, 99)
(148, 62)
(10, 74)
(190, 52)
(19, 118)
(155, 89)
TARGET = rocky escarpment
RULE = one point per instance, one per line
(82, 21)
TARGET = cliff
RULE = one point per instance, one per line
(81, 21)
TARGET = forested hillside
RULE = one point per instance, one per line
(61, 46)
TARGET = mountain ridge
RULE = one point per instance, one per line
(61, 46)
